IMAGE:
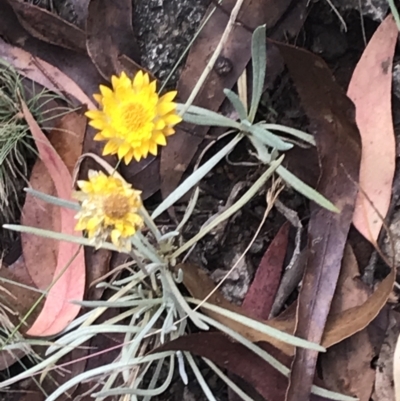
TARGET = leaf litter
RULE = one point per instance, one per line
(332, 306)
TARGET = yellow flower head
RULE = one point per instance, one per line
(132, 117)
(109, 208)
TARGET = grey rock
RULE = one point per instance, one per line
(164, 29)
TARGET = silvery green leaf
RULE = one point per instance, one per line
(273, 361)
(262, 152)
(233, 209)
(236, 103)
(259, 60)
(104, 369)
(57, 236)
(198, 115)
(195, 177)
(268, 138)
(291, 131)
(261, 327)
(53, 199)
(199, 377)
(305, 189)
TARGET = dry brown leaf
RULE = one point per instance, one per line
(346, 367)
(47, 26)
(43, 73)
(109, 26)
(200, 286)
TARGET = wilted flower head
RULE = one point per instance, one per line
(109, 209)
(132, 117)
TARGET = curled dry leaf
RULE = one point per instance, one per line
(47, 26)
(261, 294)
(370, 90)
(43, 73)
(346, 367)
(109, 26)
(57, 311)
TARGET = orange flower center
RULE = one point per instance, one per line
(116, 206)
(134, 116)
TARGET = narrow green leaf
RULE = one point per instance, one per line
(57, 236)
(53, 199)
(271, 360)
(259, 60)
(199, 377)
(291, 131)
(305, 189)
(236, 103)
(198, 115)
(262, 328)
(233, 209)
(262, 151)
(105, 369)
(137, 391)
(268, 138)
(195, 177)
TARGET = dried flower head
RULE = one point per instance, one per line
(132, 117)
(109, 209)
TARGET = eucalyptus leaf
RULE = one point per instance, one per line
(236, 103)
(195, 177)
(305, 189)
(268, 138)
(259, 61)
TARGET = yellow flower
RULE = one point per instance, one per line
(109, 209)
(132, 117)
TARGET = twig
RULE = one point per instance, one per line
(214, 57)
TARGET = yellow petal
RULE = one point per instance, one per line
(115, 235)
(128, 157)
(165, 108)
(94, 114)
(93, 222)
(137, 154)
(98, 98)
(145, 149)
(99, 137)
(138, 80)
(172, 119)
(167, 131)
(146, 79)
(153, 148)
(168, 97)
(98, 124)
(106, 91)
(159, 138)
(123, 149)
(110, 148)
